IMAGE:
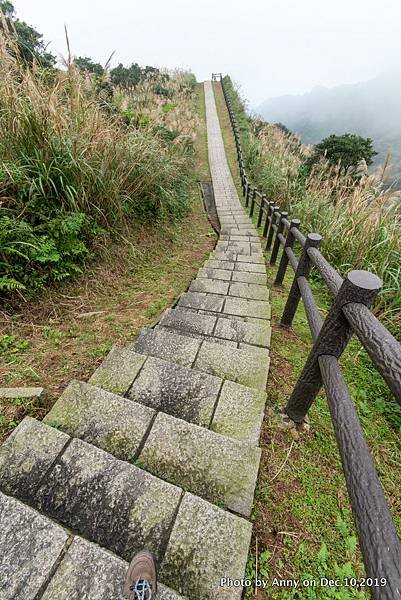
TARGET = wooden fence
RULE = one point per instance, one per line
(348, 315)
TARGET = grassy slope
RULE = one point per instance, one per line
(66, 333)
(303, 523)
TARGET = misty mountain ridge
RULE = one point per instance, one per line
(370, 108)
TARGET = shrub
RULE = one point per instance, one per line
(346, 150)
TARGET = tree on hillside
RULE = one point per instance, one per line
(348, 150)
(126, 77)
(86, 64)
(30, 43)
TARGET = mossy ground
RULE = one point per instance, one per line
(303, 526)
(66, 333)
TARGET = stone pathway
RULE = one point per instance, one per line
(159, 449)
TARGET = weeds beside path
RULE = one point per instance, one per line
(66, 332)
(303, 522)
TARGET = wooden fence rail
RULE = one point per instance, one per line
(349, 314)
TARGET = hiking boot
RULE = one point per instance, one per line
(140, 582)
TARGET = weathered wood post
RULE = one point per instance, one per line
(250, 189)
(360, 287)
(262, 204)
(267, 222)
(271, 229)
(253, 202)
(304, 266)
(276, 245)
(289, 243)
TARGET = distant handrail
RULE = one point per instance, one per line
(349, 313)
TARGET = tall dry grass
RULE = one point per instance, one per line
(79, 158)
(360, 221)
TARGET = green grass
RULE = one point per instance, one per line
(308, 500)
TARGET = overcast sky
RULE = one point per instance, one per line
(270, 47)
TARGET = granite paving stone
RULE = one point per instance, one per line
(220, 264)
(239, 412)
(248, 366)
(245, 277)
(188, 322)
(30, 545)
(26, 393)
(209, 286)
(250, 267)
(257, 334)
(108, 501)
(101, 418)
(175, 390)
(26, 456)
(93, 573)
(201, 336)
(201, 300)
(249, 290)
(206, 543)
(245, 237)
(209, 273)
(247, 308)
(168, 345)
(118, 370)
(254, 258)
(214, 467)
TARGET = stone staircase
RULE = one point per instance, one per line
(159, 450)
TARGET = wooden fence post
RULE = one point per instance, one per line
(360, 287)
(304, 266)
(260, 215)
(271, 230)
(289, 243)
(267, 222)
(276, 245)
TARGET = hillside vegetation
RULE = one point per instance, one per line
(82, 161)
(370, 108)
(360, 220)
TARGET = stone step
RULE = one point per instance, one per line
(243, 229)
(215, 327)
(39, 558)
(199, 336)
(225, 237)
(243, 248)
(168, 345)
(248, 365)
(226, 305)
(237, 256)
(160, 385)
(234, 265)
(212, 466)
(227, 288)
(232, 276)
(181, 392)
(124, 509)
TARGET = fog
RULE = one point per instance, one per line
(270, 47)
